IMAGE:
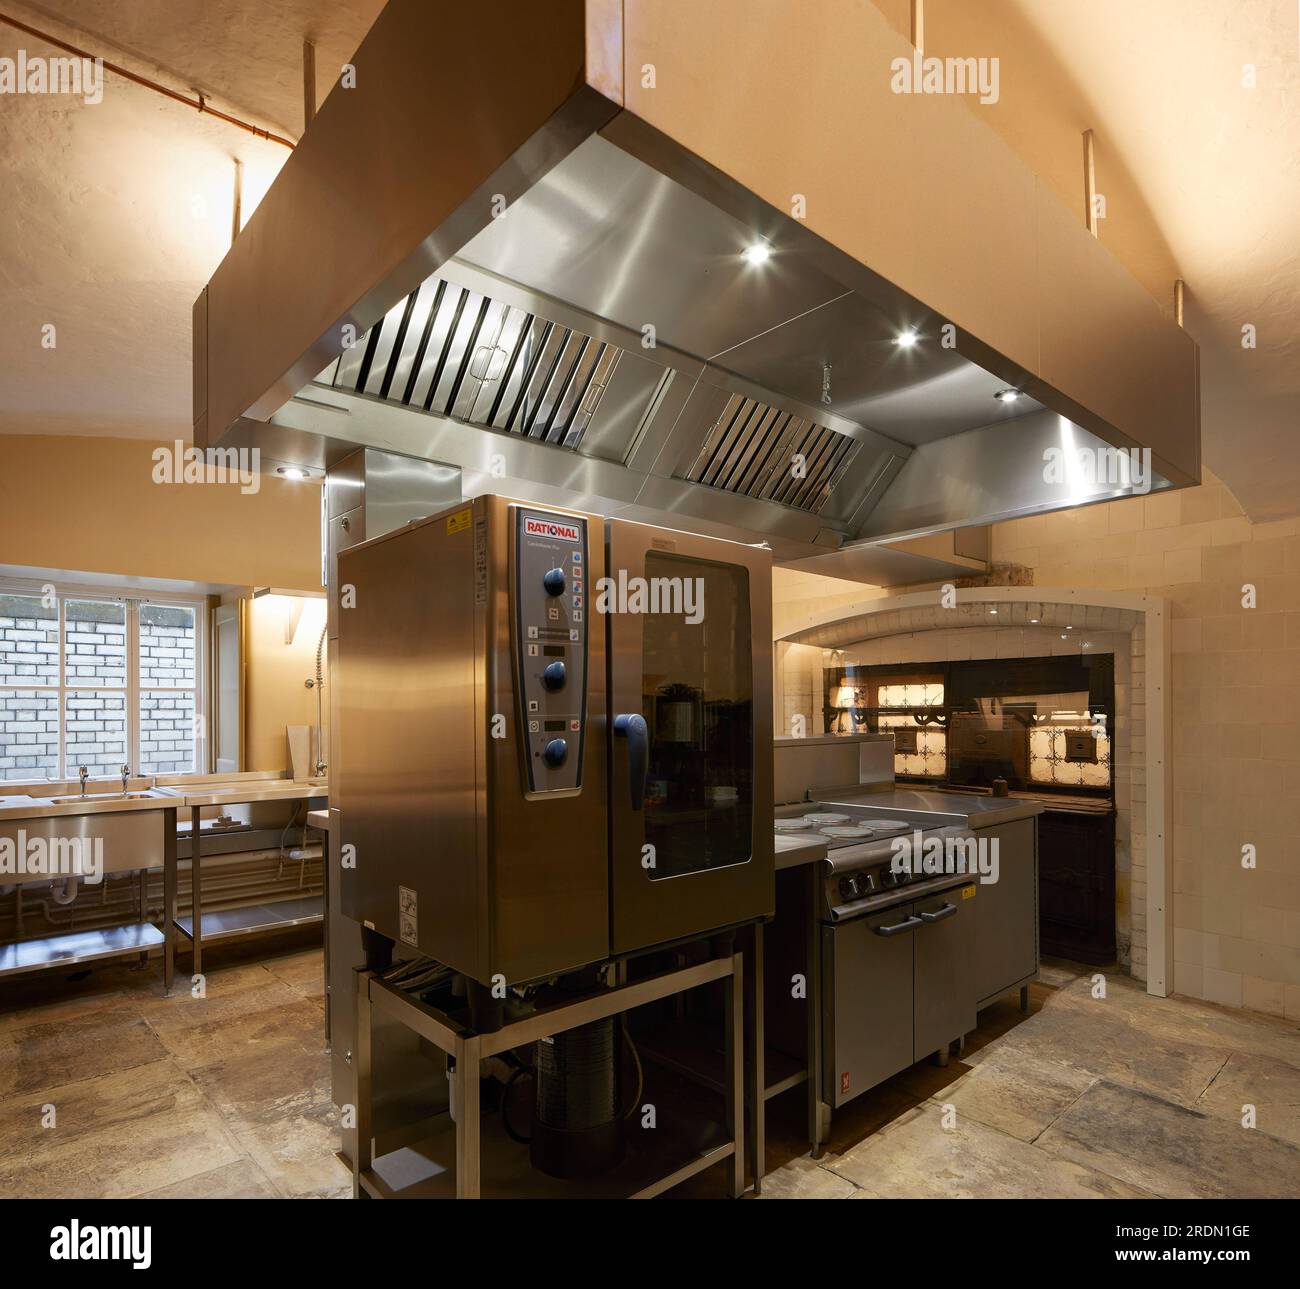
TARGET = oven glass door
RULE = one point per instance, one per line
(689, 622)
(697, 697)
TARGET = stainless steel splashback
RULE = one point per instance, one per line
(803, 767)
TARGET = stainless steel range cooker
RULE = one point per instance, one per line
(895, 949)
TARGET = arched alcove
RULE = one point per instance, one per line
(933, 620)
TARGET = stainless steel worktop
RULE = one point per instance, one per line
(934, 809)
(794, 851)
(164, 797)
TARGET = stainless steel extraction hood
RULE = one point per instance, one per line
(502, 262)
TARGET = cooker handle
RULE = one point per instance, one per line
(633, 728)
(899, 927)
(939, 914)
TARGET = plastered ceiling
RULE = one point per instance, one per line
(115, 215)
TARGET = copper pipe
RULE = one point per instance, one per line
(199, 103)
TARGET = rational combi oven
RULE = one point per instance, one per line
(555, 741)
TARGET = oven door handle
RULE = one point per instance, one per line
(633, 728)
(899, 927)
(939, 914)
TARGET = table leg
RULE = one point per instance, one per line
(755, 1043)
(144, 907)
(735, 1095)
(465, 1087)
(196, 888)
(169, 900)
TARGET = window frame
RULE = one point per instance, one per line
(133, 599)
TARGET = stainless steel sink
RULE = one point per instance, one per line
(92, 797)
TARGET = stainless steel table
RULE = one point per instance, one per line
(271, 916)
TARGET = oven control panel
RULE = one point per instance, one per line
(550, 624)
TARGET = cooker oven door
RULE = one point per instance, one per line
(945, 986)
(866, 1001)
(690, 733)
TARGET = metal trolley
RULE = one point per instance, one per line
(458, 1161)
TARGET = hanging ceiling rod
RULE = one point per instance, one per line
(198, 102)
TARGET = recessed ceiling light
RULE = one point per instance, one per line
(906, 339)
(1034, 621)
(292, 472)
(1007, 395)
(994, 612)
(759, 253)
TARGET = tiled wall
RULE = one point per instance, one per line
(1235, 703)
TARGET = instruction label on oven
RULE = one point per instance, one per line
(408, 916)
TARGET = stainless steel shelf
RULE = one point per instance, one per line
(427, 1170)
(697, 1052)
(79, 946)
(254, 918)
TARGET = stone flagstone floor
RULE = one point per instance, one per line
(1127, 1096)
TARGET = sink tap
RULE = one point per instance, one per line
(126, 774)
(83, 773)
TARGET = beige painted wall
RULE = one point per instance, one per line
(1236, 717)
(91, 505)
(277, 694)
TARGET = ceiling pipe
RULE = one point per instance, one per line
(199, 103)
(918, 26)
(1179, 287)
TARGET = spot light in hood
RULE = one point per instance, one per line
(758, 253)
(906, 339)
(1007, 395)
(292, 472)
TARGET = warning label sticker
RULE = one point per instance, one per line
(408, 916)
(459, 521)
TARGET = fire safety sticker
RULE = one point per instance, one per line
(408, 916)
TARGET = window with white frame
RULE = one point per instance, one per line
(99, 679)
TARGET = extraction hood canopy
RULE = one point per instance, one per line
(597, 317)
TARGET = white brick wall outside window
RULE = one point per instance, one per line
(99, 680)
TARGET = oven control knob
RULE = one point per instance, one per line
(553, 581)
(553, 675)
(848, 888)
(555, 753)
(888, 878)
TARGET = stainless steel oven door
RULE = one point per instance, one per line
(690, 698)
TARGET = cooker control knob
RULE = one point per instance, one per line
(553, 581)
(555, 753)
(553, 675)
(848, 888)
